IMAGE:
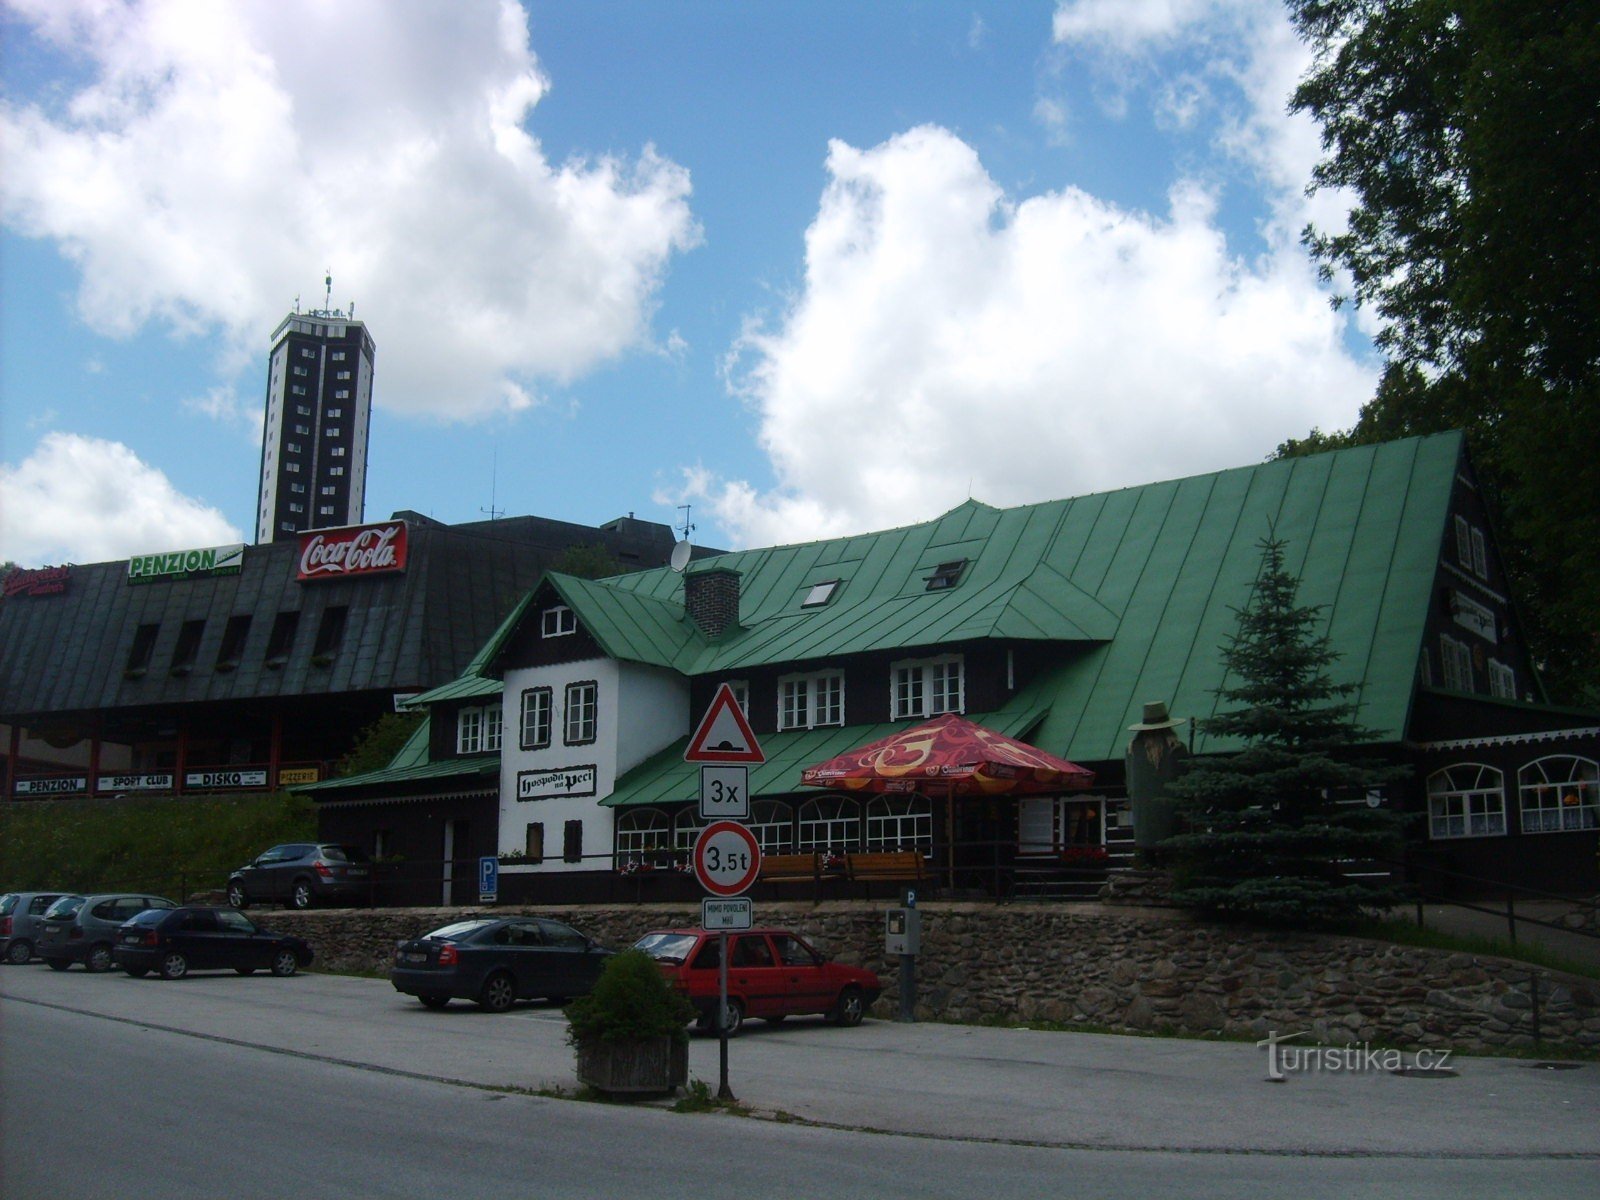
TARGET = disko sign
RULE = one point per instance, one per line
(357, 550)
(186, 564)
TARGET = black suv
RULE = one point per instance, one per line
(300, 874)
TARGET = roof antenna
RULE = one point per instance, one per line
(494, 479)
(682, 551)
(327, 280)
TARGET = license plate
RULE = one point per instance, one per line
(52, 929)
(131, 939)
(414, 957)
(357, 872)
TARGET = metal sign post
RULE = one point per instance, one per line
(724, 1092)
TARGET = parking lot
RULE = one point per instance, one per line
(944, 1081)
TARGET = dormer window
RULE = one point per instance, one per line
(557, 621)
(927, 687)
(946, 575)
(478, 729)
(820, 594)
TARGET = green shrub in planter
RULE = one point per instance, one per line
(631, 1032)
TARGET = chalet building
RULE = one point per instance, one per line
(560, 747)
(253, 667)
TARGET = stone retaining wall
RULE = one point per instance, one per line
(1112, 966)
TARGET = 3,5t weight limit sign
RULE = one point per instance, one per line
(727, 858)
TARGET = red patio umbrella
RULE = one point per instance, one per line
(950, 752)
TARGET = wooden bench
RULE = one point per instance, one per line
(791, 868)
(892, 865)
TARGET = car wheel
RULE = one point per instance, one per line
(300, 894)
(19, 952)
(733, 1019)
(434, 1000)
(236, 896)
(499, 993)
(174, 965)
(284, 964)
(850, 1007)
(98, 959)
(59, 964)
(137, 972)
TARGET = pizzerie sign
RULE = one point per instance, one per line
(358, 550)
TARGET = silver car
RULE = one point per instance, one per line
(84, 928)
(20, 916)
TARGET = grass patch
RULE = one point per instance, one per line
(163, 845)
(1408, 933)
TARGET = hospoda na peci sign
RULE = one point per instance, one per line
(356, 550)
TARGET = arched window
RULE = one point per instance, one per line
(686, 827)
(640, 830)
(830, 822)
(772, 821)
(1466, 800)
(1559, 792)
(899, 823)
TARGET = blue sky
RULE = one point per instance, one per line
(812, 268)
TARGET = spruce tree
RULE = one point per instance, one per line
(1272, 827)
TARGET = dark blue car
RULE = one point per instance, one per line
(497, 961)
(175, 941)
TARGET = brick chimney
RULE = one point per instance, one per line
(711, 598)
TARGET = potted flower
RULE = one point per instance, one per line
(631, 1032)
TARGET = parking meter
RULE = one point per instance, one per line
(902, 931)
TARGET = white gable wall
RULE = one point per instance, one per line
(639, 710)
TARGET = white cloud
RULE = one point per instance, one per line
(222, 405)
(950, 341)
(83, 499)
(222, 155)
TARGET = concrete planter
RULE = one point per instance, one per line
(653, 1068)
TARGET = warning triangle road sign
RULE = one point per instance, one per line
(724, 734)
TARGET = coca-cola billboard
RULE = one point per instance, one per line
(358, 550)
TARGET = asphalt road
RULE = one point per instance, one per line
(220, 1085)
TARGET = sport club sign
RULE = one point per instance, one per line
(186, 564)
(358, 550)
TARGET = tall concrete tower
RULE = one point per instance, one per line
(319, 408)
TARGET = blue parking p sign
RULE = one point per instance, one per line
(488, 879)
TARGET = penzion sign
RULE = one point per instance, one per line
(357, 550)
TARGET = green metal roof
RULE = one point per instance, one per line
(410, 765)
(1137, 589)
(665, 778)
(475, 680)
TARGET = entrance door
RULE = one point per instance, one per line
(455, 844)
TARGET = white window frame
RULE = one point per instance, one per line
(541, 717)
(1502, 680)
(580, 718)
(478, 729)
(902, 822)
(772, 824)
(557, 621)
(811, 701)
(829, 822)
(642, 831)
(1456, 657)
(1463, 542)
(1559, 793)
(921, 687)
(1480, 554)
(741, 694)
(1466, 800)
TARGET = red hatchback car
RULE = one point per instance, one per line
(772, 974)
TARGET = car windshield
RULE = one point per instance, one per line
(67, 906)
(459, 931)
(7, 903)
(666, 947)
(148, 917)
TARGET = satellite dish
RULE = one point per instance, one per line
(680, 556)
